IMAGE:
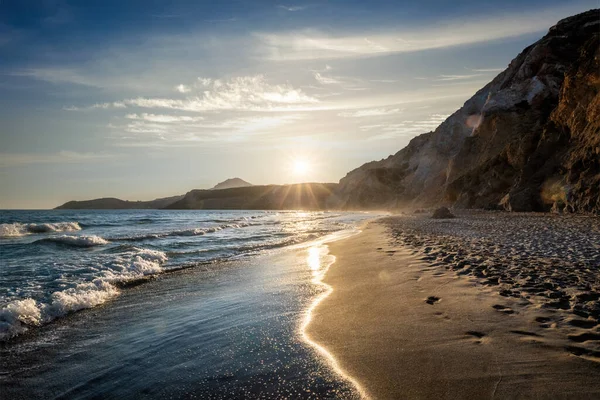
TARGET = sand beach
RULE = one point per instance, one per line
(424, 308)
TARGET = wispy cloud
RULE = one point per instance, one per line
(183, 88)
(102, 106)
(291, 8)
(56, 75)
(370, 112)
(457, 77)
(66, 157)
(406, 128)
(326, 80)
(486, 69)
(247, 93)
(312, 44)
(324, 77)
(153, 130)
(165, 119)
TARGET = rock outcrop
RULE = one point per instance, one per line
(527, 141)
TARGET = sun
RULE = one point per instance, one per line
(301, 167)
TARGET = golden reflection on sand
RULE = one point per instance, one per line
(319, 262)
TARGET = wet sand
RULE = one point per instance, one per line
(406, 325)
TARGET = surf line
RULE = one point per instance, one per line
(315, 256)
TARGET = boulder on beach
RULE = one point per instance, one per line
(442, 213)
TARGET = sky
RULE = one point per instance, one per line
(145, 99)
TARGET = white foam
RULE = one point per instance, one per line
(18, 316)
(18, 229)
(145, 262)
(198, 231)
(84, 295)
(79, 241)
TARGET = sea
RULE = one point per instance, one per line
(165, 304)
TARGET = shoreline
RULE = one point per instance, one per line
(405, 327)
(318, 255)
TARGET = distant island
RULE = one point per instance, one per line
(527, 141)
(111, 203)
(231, 183)
(307, 196)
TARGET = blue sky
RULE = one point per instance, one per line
(143, 99)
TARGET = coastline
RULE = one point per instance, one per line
(405, 328)
(222, 330)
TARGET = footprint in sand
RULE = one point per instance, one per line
(504, 309)
(525, 333)
(580, 351)
(481, 337)
(432, 300)
(583, 323)
(478, 335)
(584, 337)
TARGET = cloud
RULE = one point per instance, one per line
(405, 128)
(370, 112)
(326, 80)
(56, 75)
(291, 8)
(312, 44)
(457, 77)
(62, 157)
(165, 119)
(343, 82)
(247, 93)
(147, 130)
(182, 89)
(103, 106)
(486, 69)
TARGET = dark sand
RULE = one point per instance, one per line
(404, 325)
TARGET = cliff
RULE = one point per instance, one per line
(528, 141)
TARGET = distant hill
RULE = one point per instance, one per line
(301, 196)
(232, 183)
(306, 196)
(111, 203)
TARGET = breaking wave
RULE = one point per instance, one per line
(20, 315)
(183, 232)
(18, 229)
(75, 241)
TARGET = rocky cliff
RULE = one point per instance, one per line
(527, 141)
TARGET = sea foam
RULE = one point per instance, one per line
(20, 315)
(19, 229)
(76, 241)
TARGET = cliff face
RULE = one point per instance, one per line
(527, 141)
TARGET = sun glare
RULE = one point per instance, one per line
(301, 167)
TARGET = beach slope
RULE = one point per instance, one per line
(404, 327)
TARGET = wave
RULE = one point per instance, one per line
(21, 315)
(19, 229)
(183, 232)
(75, 241)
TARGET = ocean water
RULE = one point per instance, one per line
(220, 317)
